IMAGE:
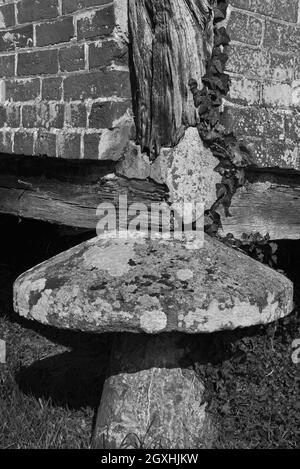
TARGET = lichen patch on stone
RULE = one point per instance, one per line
(23, 294)
(153, 322)
(112, 259)
(222, 316)
(40, 310)
(185, 274)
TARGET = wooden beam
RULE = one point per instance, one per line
(68, 193)
(268, 204)
(72, 197)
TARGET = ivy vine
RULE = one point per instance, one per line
(231, 152)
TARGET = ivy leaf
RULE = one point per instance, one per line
(221, 191)
(241, 177)
(203, 108)
(217, 65)
(221, 37)
(214, 116)
(241, 155)
(219, 55)
(198, 99)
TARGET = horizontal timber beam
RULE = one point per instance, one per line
(269, 204)
(67, 193)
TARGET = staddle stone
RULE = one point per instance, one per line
(152, 286)
(153, 295)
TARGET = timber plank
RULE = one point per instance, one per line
(70, 204)
(268, 204)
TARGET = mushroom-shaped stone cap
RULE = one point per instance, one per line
(148, 286)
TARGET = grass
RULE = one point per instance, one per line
(254, 392)
(26, 420)
(43, 386)
(51, 384)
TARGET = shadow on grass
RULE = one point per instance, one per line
(72, 379)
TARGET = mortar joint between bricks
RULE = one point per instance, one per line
(13, 132)
(263, 16)
(34, 35)
(60, 45)
(86, 56)
(82, 145)
(264, 27)
(16, 13)
(60, 7)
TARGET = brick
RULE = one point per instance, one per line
(28, 116)
(43, 115)
(253, 121)
(13, 115)
(97, 23)
(277, 95)
(296, 94)
(282, 37)
(286, 10)
(69, 146)
(71, 58)
(37, 63)
(102, 83)
(281, 9)
(16, 39)
(245, 28)
(91, 146)
(7, 66)
(270, 153)
(6, 142)
(292, 127)
(104, 53)
(69, 6)
(281, 68)
(251, 63)
(7, 16)
(45, 144)
(35, 10)
(244, 91)
(76, 115)
(103, 115)
(54, 32)
(52, 88)
(23, 143)
(243, 4)
(22, 90)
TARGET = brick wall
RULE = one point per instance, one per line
(264, 64)
(64, 80)
(65, 88)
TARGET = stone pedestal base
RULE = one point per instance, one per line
(152, 397)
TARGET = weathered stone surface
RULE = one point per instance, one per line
(114, 142)
(152, 397)
(147, 286)
(188, 170)
(135, 164)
